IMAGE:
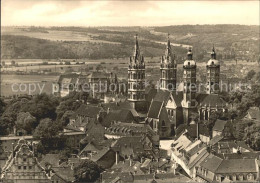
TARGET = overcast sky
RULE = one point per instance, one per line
(127, 13)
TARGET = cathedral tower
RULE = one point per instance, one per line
(168, 69)
(136, 79)
(213, 72)
(189, 91)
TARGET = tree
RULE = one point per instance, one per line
(42, 106)
(66, 117)
(48, 133)
(99, 67)
(250, 75)
(68, 103)
(47, 129)
(87, 171)
(4, 128)
(25, 121)
(2, 106)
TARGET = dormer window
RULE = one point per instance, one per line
(250, 177)
(234, 177)
(240, 177)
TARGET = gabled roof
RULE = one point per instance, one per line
(244, 155)
(88, 110)
(124, 166)
(192, 130)
(98, 75)
(150, 93)
(215, 140)
(219, 125)
(178, 96)
(109, 177)
(68, 76)
(123, 115)
(210, 99)
(117, 105)
(65, 172)
(127, 129)
(203, 155)
(52, 159)
(100, 154)
(89, 147)
(230, 145)
(195, 149)
(254, 113)
(136, 143)
(162, 96)
(237, 166)
(211, 163)
(155, 109)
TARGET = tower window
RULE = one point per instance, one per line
(163, 123)
(163, 74)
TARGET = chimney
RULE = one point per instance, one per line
(13, 150)
(108, 110)
(33, 149)
(14, 130)
(116, 157)
(198, 132)
(130, 160)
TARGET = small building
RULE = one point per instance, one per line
(253, 113)
(158, 119)
(216, 169)
(22, 166)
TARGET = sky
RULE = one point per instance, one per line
(127, 13)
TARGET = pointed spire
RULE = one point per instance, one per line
(189, 54)
(136, 49)
(169, 43)
(168, 51)
(213, 53)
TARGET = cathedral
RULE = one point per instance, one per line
(166, 107)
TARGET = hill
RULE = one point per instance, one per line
(231, 41)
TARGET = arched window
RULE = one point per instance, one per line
(163, 123)
(234, 177)
(240, 177)
(250, 176)
(151, 124)
(206, 115)
(163, 74)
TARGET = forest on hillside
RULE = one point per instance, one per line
(230, 41)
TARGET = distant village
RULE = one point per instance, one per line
(134, 131)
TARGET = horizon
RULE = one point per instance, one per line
(125, 25)
(128, 13)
